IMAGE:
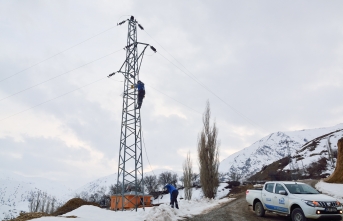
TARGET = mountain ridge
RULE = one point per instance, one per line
(274, 146)
(306, 146)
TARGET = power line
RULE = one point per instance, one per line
(172, 98)
(193, 77)
(171, 55)
(57, 76)
(205, 87)
(51, 99)
(147, 154)
(175, 100)
(57, 54)
(142, 131)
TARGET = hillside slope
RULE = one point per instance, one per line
(15, 192)
(305, 147)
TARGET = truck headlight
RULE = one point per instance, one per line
(311, 203)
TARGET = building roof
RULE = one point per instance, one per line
(132, 193)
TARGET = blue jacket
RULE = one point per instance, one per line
(170, 189)
(140, 86)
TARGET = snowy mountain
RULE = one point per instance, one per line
(324, 145)
(16, 190)
(305, 146)
(102, 184)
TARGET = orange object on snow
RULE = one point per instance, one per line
(130, 201)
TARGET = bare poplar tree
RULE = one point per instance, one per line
(38, 201)
(182, 181)
(195, 179)
(208, 154)
(44, 198)
(175, 179)
(151, 183)
(31, 201)
(52, 207)
(187, 177)
(165, 178)
(235, 176)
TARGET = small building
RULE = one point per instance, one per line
(130, 200)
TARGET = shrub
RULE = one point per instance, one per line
(234, 183)
(316, 168)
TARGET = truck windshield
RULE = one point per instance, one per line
(301, 189)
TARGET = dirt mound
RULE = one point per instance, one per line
(72, 205)
(28, 216)
(337, 175)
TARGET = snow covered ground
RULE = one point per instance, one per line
(331, 189)
(163, 212)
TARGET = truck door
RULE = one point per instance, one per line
(281, 201)
(268, 196)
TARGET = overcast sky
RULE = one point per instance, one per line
(270, 65)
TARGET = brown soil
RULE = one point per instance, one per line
(68, 207)
(72, 205)
(28, 216)
(337, 175)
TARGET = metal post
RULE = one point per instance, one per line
(330, 152)
(291, 166)
(130, 163)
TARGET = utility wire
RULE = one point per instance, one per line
(147, 154)
(57, 54)
(175, 100)
(171, 55)
(58, 76)
(205, 87)
(51, 99)
(193, 77)
(172, 99)
(142, 131)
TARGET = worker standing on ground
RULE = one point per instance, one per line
(173, 195)
(141, 93)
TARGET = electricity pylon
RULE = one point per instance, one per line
(291, 165)
(130, 163)
(330, 152)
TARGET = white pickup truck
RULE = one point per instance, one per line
(295, 199)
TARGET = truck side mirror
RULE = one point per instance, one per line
(282, 192)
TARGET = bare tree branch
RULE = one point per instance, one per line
(187, 177)
(208, 155)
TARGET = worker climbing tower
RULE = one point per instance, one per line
(130, 189)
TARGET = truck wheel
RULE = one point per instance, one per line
(298, 215)
(259, 210)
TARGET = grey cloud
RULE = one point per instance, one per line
(259, 57)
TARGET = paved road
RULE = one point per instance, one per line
(236, 210)
(310, 182)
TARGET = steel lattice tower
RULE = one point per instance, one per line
(291, 165)
(130, 164)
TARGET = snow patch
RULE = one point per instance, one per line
(331, 189)
(161, 213)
